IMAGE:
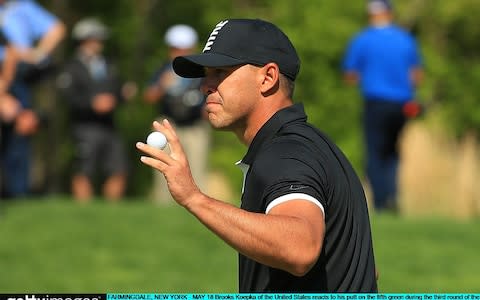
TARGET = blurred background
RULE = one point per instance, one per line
(50, 243)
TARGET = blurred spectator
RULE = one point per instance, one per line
(181, 102)
(384, 59)
(91, 86)
(9, 106)
(34, 33)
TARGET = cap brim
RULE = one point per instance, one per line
(193, 66)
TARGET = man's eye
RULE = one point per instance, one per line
(221, 71)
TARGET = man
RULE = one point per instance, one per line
(9, 106)
(303, 225)
(384, 60)
(93, 90)
(34, 33)
(180, 100)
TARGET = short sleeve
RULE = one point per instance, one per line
(294, 169)
(25, 22)
(351, 59)
(415, 57)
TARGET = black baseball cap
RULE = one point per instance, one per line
(242, 41)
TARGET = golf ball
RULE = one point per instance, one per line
(157, 139)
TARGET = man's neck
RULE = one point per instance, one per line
(380, 24)
(259, 117)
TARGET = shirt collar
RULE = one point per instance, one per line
(381, 25)
(286, 115)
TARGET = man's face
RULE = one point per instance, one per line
(232, 93)
(92, 46)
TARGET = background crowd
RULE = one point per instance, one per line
(132, 54)
(92, 89)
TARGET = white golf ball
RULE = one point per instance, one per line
(157, 139)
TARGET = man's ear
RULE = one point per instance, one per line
(271, 77)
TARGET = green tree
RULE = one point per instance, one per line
(446, 31)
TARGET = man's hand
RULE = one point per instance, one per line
(351, 77)
(9, 108)
(167, 80)
(174, 166)
(26, 123)
(104, 103)
(32, 56)
(156, 91)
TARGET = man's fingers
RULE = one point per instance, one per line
(154, 163)
(167, 129)
(154, 153)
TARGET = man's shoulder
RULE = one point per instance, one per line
(299, 140)
(302, 130)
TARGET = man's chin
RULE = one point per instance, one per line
(218, 124)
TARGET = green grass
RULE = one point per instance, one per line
(427, 255)
(129, 247)
(55, 245)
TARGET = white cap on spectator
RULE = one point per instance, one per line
(181, 36)
(379, 6)
(90, 28)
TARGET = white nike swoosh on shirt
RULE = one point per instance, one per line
(297, 187)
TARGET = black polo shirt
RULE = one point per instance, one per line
(290, 159)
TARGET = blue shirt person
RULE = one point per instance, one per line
(384, 60)
(34, 33)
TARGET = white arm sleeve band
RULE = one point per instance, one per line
(294, 196)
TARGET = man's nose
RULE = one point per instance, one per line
(207, 86)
